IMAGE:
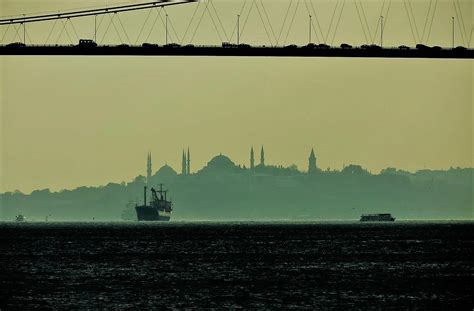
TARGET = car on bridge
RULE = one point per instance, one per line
(16, 45)
(403, 47)
(346, 46)
(371, 47)
(460, 48)
(291, 46)
(422, 47)
(244, 46)
(87, 43)
(228, 45)
(149, 45)
(309, 46)
(172, 45)
(322, 46)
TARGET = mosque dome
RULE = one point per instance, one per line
(166, 172)
(220, 163)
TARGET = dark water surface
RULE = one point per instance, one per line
(225, 265)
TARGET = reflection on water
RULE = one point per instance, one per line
(250, 265)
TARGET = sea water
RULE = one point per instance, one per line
(350, 265)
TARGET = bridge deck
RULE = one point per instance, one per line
(236, 51)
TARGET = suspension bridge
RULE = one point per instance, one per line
(303, 28)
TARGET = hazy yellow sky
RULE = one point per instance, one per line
(72, 121)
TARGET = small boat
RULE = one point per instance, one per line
(159, 209)
(20, 218)
(377, 217)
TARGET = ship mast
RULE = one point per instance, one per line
(144, 197)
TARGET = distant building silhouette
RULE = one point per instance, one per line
(188, 162)
(166, 173)
(148, 169)
(353, 169)
(262, 157)
(312, 168)
(183, 164)
(252, 159)
(220, 164)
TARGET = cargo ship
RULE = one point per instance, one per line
(159, 209)
(377, 217)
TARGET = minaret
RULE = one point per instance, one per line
(262, 157)
(188, 159)
(252, 159)
(312, 163)
(148, 169)
(183, 164)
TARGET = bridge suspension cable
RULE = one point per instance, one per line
(317, 20)
(268, 20)
(431, 23)
(219, 20)
(338, 22)
(409, 21)
(62, 30)
(460, 20)
(263, 23)
(190, 22)
(91, 12)
(292, 20)
(426, 20)
(284, 21)
(152, 25)
(247, 18)
(143, 26)
(176, 36)
(365, 20)
(361, 22)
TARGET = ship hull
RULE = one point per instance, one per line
(377, 217)
(149, 213)
(389, 220)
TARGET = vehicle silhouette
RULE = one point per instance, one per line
(149, 45)
(172, 45)
(422, 47)
(322, 46)
(16, 45)
(87, 43)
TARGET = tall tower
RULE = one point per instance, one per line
(312, 162)
(262, 157)
(183, 164)
(148, 169)
(188, 159)
(252, 159)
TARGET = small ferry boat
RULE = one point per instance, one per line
(20, 218)
(377, 217)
